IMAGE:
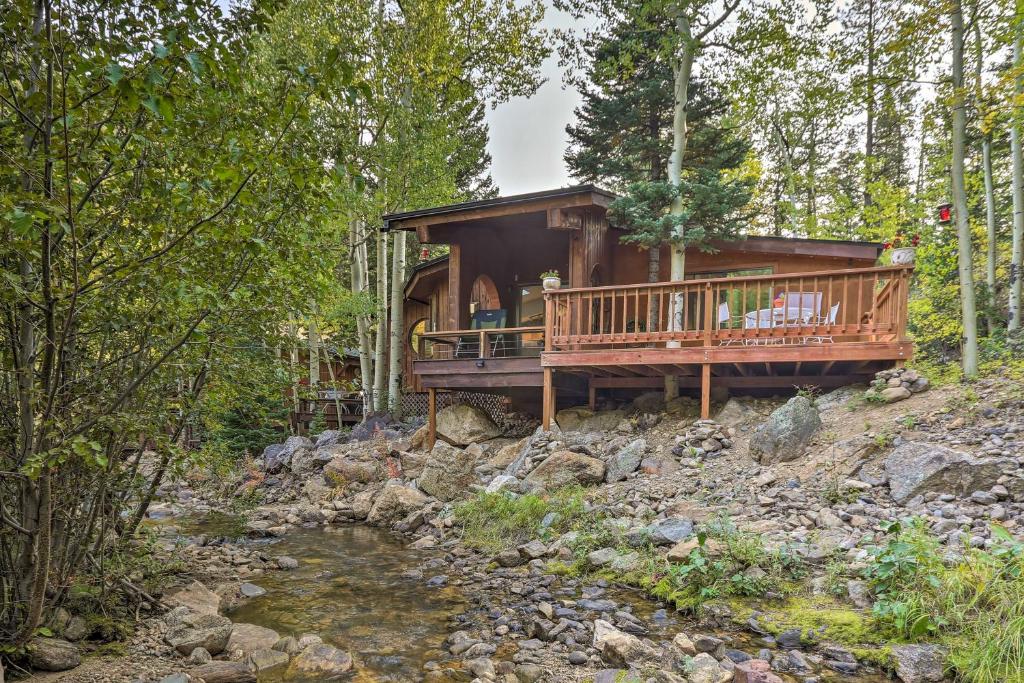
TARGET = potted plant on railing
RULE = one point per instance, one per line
(550, 280)
(904, 248)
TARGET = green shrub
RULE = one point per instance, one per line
(973, 604)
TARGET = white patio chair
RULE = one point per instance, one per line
(725, 317)
(827, 321)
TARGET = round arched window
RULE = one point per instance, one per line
(416, 331)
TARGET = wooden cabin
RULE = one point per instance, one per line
(757, 314)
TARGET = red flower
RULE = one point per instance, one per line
(887, 245)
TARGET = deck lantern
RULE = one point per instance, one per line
(945, 213)
(424, 253)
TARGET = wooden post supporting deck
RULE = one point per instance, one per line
(705, 391)
(431, 417)
(592, 395)
(548, 412)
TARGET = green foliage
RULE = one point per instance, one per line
(499, 521)
(973, 603)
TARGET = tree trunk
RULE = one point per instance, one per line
(313, 338)
(293, 371)
(380, 347)
(986, 163)
(681, 68)
(869, 128)
(397, 326)
(959, 120)
(357, 255)
(1017, 250)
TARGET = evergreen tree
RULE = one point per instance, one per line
(623, 139)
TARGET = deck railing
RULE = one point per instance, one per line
(504, 342)
(867, 304)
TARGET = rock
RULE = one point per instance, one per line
(563, 468)
(736, 411)
(915, 468)
(502, 482)
(194, 596)
(287, 563)
(251, 590)
(649, 402)
(619, 648)
(602, 557)
(372, 425)
(393, 503)
(784, 436)
(208, 631)
(449, 472)
(264, 660)
(681, 551)
(893, 394)
(278, 457)
(288, 645)
(77, 629)
(705, 669)
(423, 543)
(859, 593)
(670, 530)
(582, 419)
(412, 463)
(224, 672)
(199, 656)
(52, 654)
(533, 550)
(328, 437)
(509, 558)
(250, 637)
(309, 460)
(461, 425)
(347, 470)
(919, 663)
(322, 661)
(754, 671)
(625, 461)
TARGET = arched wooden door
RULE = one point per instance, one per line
(484, 295)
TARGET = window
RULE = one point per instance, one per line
(419, 328)
(530, 313)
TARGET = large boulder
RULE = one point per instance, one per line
(208, 631)
(563, 468)
(393, 503)
(582, 419)
(919, 663)
(449, 471)
(52, 654)
(250, 637)
(625, 461)
(194, 596)
(786, 433)
(277, 457)
(321, 662)
(914, 468)
(346, 469)
(461, 425)
(619, 648)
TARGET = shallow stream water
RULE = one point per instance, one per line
(350, 589)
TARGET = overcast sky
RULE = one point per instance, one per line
(528, 134)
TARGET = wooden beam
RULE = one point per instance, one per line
(431, 417)
(454, 285)
(456, 215)
(592, 396)
(846, 351)
(548, 411)
(705, 391)
(827, 366)
(627, 382)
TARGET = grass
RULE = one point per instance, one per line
(500, 521)
(974, 604)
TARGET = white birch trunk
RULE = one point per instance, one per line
(1017, 250)
(682, 66)
(963, 230)
(313, 338)
(990, 222)
(380, 347)
(397, 325)
(357, 247)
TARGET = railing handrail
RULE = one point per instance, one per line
(441, 334)
(746, 278)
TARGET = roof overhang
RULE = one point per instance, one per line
(802, 246)
(562, 198)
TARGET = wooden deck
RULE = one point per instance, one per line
(824, 329)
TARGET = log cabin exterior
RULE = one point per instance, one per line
(758, 314)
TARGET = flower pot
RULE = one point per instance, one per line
(904, 256)
(552, 283)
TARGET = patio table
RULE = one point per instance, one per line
(767, 318)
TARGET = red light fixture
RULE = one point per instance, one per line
(424, 253)
(945, 213)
